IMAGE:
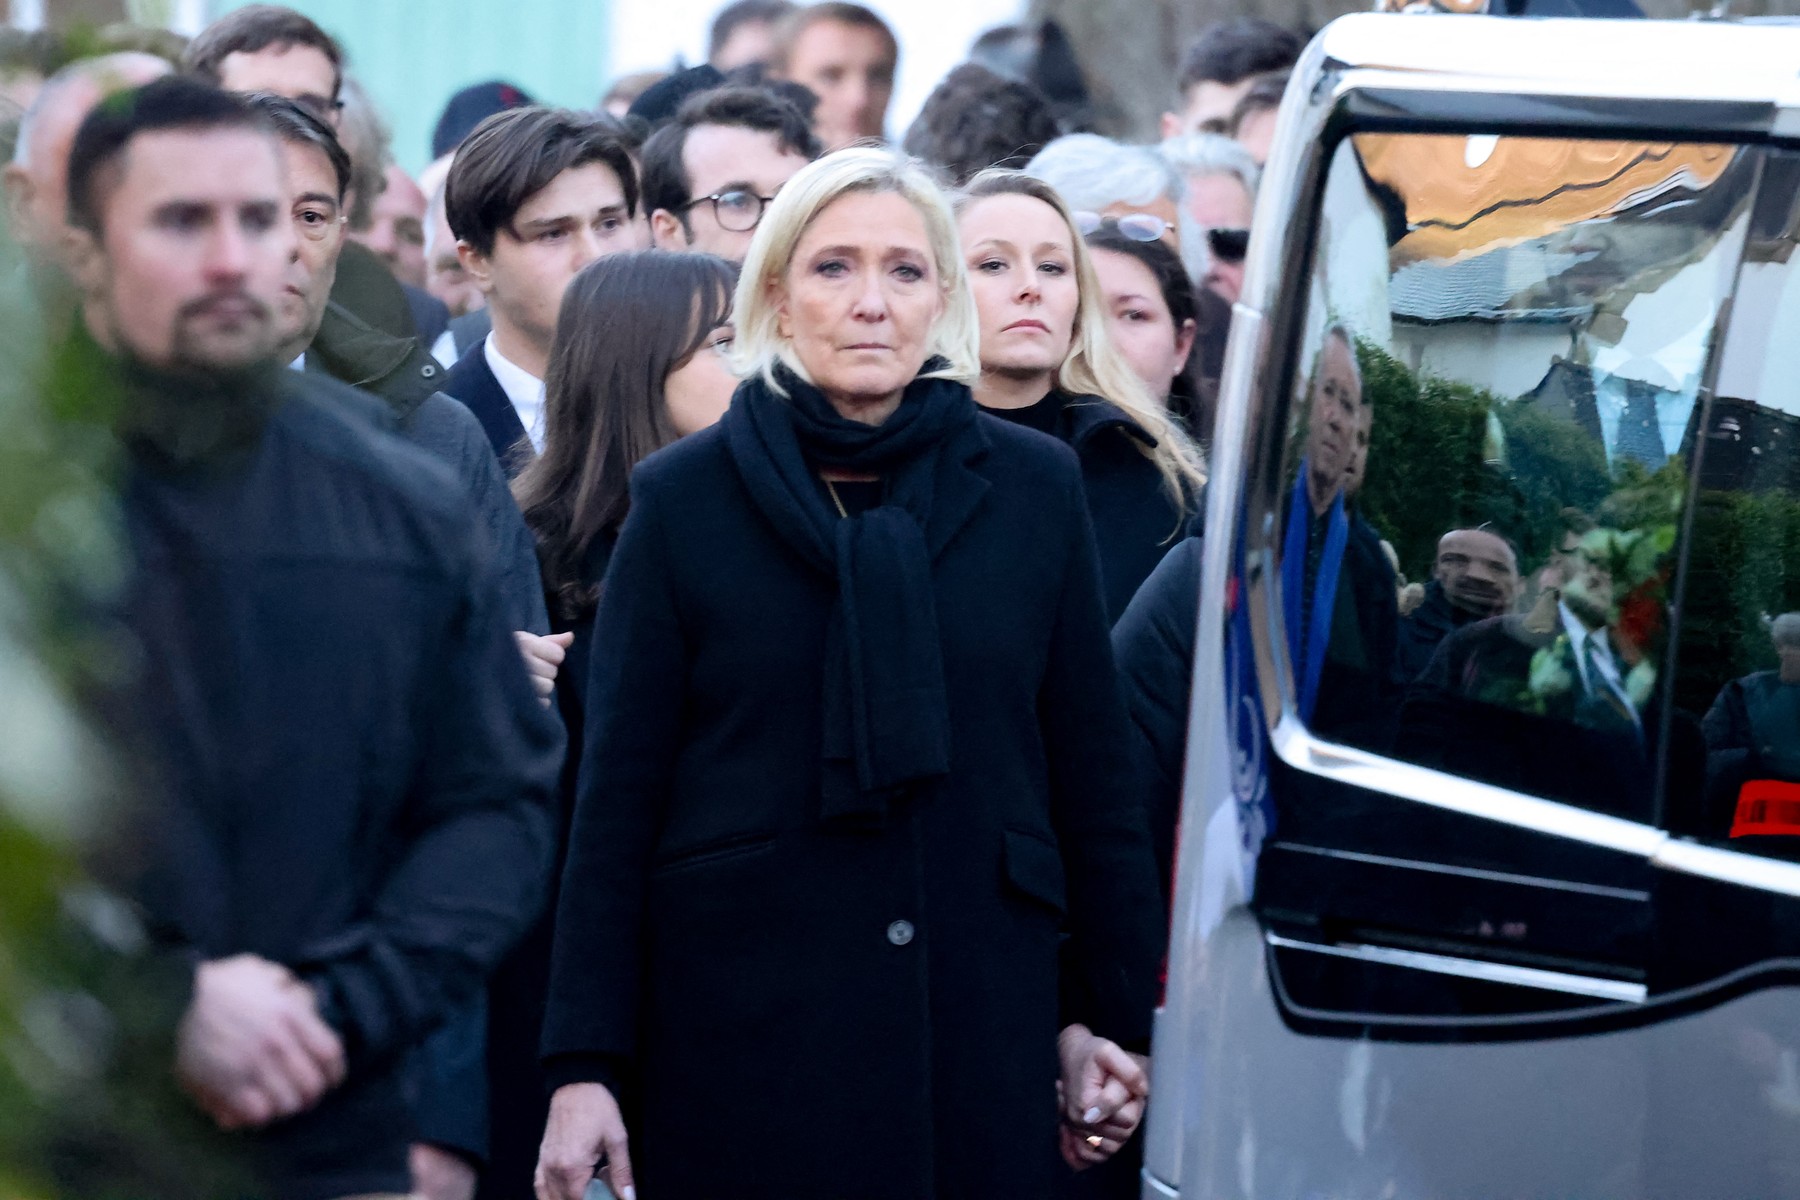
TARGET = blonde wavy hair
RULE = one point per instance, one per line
(759, 347)
(1093, 366)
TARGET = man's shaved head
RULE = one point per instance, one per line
(1479, 571)
(37, 179)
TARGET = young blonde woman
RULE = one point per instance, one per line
(856, 878)
(1048, 363)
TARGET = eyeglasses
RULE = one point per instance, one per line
(1139, 226)
(1228, 245)
(737, 210)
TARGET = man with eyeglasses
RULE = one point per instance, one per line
(710, 172)
(269, 48)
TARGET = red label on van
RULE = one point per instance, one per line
(1766, 806)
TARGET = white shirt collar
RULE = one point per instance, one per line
(1578, 634)
(299, 364)
(525, 390)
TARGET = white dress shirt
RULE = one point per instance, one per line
(525, 390)
(1601, 656)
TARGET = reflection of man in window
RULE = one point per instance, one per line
(1338, 592)
(1583, 613)
(1475, 576)
(1753, 728)
(1537, 701)
(1559, 658)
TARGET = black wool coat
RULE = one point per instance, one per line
(1136, 521)
(795, 1010)
(1154, 644)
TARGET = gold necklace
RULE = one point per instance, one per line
(835, 499)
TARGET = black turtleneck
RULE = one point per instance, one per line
(1045, 416)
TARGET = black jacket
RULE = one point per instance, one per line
(397, 370)
(1424, 627)
(1360, 691)
(1154, 645)
(882, 1002)
(451, 1084)
(355, 776)
(1135, 519)
(472, 381)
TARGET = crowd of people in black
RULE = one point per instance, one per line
(623, 679)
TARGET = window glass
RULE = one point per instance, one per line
(1498, 385)
(1738, 672)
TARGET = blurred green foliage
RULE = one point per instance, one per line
(88, 1108)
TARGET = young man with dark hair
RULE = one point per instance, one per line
(535, 194)
(1220, 67)
(269, 48)
(744, 32)
(847, 56)
(350, 824)
(710, 172)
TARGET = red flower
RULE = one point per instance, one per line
(1640, 618)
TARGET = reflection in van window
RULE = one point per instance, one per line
(1739, 667)
(1338, 588)
(1523, 325)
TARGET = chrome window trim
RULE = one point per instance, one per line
(1436, 868)
(1536, 978)
(1424, 785)
(1156, 1187)
(1360, 768)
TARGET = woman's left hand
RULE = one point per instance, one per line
(1103, 1091)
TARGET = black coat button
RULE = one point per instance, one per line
(900, 932)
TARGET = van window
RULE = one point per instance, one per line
(1497, 395)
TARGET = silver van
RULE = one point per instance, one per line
(1488, 882)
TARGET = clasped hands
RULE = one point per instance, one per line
(1101, 1094)
(252, 1047)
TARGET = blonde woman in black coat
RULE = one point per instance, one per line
(1048, 363)
(858, 902)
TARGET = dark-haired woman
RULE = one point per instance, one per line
(1154, 319)
(1048, 363)
(638, 362)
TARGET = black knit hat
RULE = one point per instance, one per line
(661, 99)
(469, 108)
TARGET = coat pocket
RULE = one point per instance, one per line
(715, 851)
(1034, 866)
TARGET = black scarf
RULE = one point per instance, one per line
(887, 717)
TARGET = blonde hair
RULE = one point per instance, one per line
(759, 347)
(1093, 366)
